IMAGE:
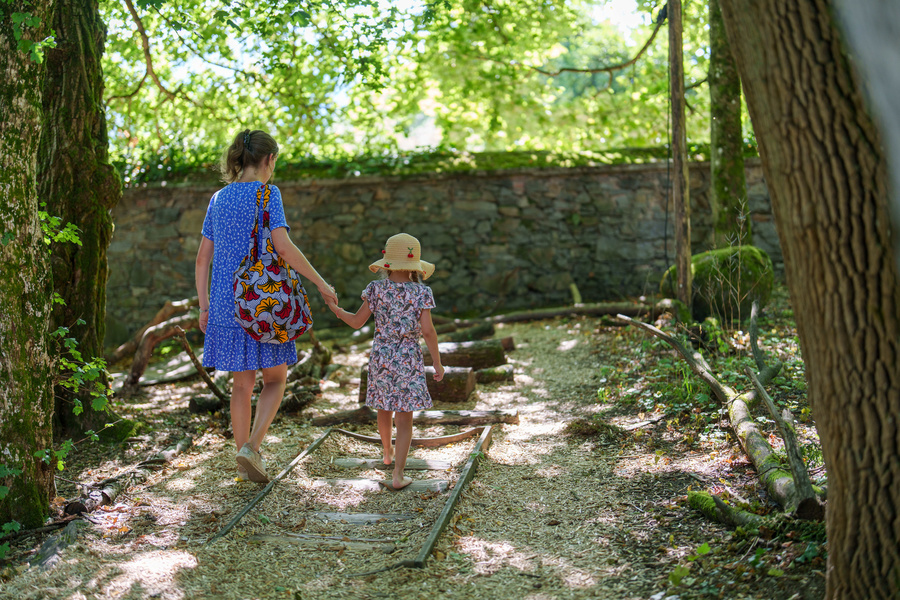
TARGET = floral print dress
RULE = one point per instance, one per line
(396, 366)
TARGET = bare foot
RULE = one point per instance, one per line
(396, 485)
(388, 457)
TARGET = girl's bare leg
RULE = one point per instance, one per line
(404, 438)
(241, 412)
(274, 380)
(385, 418)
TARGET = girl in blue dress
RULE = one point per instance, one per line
(402, 308)
(247, 165)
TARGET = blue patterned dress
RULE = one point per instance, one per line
(396, 366)
(229, 219)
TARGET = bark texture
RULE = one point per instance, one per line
(728, 182)
(79, 186)
(827, 177)
(873, 31)
(26, 396)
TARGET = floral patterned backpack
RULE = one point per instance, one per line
(269, 300)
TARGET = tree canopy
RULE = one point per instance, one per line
(362, 76)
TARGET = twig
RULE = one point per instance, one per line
(203, 374)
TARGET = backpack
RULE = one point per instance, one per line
(269, 300)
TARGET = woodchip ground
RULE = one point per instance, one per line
(549, 514)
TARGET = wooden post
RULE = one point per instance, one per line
(680, 178)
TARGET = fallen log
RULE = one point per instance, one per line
(481, 354)
(106, 491)
(364, 415)
(412, 464)
(372, 485)
(778, 482)
(168, 310)
(153, 336)
(712, 507)
(809, 507)
(456, 386)
(48, 555)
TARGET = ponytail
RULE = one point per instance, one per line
(248, 149)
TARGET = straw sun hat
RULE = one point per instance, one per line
(402, 252)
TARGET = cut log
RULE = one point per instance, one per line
(480, 331)
(413, 464)
(503, 373)
(372, 485)
(168, 310)
(480, 354)
(456, 386)
(331, 543)
(360, 518)
(364, 414)
(508, 344)
(153, 336)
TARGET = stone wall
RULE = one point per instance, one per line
(501, 240)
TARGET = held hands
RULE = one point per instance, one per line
(328, 294)
(438, 372)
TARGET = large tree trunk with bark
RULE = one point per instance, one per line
(873, 30)
(26, 395)
(828, 181)
(728, 182)
(81, 187)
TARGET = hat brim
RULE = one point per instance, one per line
(422, 266)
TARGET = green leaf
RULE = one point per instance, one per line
(704, 549)
(775, 572)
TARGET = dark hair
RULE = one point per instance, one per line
(248, 149)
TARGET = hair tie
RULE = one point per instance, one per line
(247, 139)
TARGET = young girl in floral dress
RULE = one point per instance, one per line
(402, 308)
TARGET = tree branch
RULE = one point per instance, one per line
(609, 69)
(145, 42)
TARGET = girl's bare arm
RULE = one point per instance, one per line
(431, 342)
(201, 278)
(354, 320)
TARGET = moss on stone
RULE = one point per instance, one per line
(726, 281)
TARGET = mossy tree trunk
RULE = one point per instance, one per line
(828, 181)
(81, 187)
(728, 182)
(26, 395)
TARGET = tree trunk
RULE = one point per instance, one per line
(680, 177)
(821, 156)
(728, 182)
(79, 185)
(26, 394)
(873, 30)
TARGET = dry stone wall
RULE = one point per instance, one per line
(501, 240)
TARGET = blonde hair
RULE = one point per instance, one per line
(248, 149)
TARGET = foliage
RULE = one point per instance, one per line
(23, 23)
(361, 80)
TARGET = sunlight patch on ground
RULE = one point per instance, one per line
(491, 556)
(566, 345)
(152, 572)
